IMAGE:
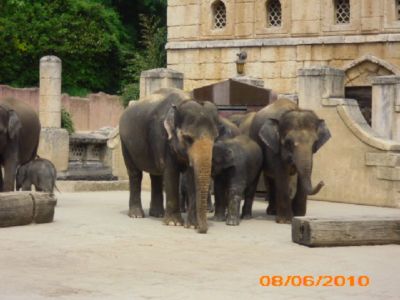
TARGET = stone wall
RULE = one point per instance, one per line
(368, 46)
(88, 114)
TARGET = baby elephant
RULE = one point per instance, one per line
(39, 172)
(236, 167)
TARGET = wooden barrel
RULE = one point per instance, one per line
(22, 208)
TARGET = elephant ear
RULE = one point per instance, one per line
(14, 124)
(211, 108)
(323, 134)
(269, 134)
(170, 121)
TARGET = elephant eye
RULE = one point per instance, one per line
(288, 144)
(188, 139)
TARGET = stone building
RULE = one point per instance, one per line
(361, 37)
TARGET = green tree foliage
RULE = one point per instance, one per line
(103, 44)
(151, 55)
(66, 121)
(86, 35)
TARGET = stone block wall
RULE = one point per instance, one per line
(307, 37)
(278, 65)
(88, 114)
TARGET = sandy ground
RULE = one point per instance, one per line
(93, 250)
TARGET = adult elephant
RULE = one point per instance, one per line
(164, 136)
(19, 138)
(289, 137)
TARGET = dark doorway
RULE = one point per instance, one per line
(363, 95)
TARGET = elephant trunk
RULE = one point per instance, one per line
(200, 155)
(303, 162)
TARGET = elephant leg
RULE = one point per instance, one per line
(233, 209)
(220, 197)
(26, 186)
(271, 209)
(1, 179)
(135, 188)
(156, 203)
(10, 168)
(191, 219)
(249, 194)
(299, 204)
(183, 193)
(171, 182)
(284, 212)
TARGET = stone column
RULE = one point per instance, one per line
(386, 106)
(155, 79)
(318, 83)
(54, 141)
(50, 91)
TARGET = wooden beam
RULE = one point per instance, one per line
(346, 231)
(22, 208)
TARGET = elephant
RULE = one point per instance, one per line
(166, 134)
(236, 167)
(243, 121)
(226, 129)
(19, 138)
(289, 137)
(39, 172)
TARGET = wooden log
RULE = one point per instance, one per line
(346, 231)
(15, 209)
(22, 208)
(44, 207)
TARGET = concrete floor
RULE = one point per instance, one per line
(92, 250)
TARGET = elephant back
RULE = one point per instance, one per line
(30, 128)
(272, 111)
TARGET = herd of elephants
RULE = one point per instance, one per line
(185, 145)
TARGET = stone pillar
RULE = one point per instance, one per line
(50, 92)
(386, 106)
(318, 83)
(54, 141)
(155, 79)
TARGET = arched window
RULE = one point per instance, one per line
(274, 13)
(342, 11)
(398, 9)
(219, 14)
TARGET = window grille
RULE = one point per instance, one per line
(342, 11)
(219, 15)
(398, 9)
(274, 13)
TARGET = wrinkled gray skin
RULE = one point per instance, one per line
(226, 129)
(236, 168)
(164, 135)
(243, 121)
(289, 137)
(39, 172)
(19, 139)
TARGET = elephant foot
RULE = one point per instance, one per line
(246, 216)
(283, 220)
(219, 217)
(136, 212)
(271, 211)
(174, 219)
(191, 224)
(157, 212)
(232, 220)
